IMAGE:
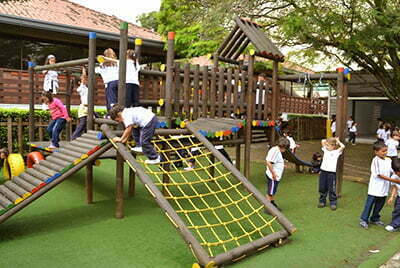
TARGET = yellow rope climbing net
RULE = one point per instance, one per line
(215, 206)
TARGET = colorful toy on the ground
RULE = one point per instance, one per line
(13, 166)
(33, 158)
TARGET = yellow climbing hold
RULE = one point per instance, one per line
(161, 102)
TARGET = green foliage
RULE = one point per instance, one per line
(20, 114)
(149, 20)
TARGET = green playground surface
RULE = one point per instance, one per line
(60, 230)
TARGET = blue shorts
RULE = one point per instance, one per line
(272, 186)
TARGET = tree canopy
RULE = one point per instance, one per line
(362, 32)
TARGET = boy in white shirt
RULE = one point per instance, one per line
(349, 123)
(395, 224)
(132, 79)
(292, 143)
(378, 188)
(332, 148)
(392, 144)
(83, 109)
(380, 133)
(275, 167)
(141, 123)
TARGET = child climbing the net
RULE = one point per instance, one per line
(141, 123)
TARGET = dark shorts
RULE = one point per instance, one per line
(272, 186)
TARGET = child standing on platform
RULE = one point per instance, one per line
(141, 123)
(109, 72)
(50, 83)
(59, 117)
(332, 148)
(275, 167)
(380, 133)
(395, 224)
(83, 107)
(132, 79)
(378, 187)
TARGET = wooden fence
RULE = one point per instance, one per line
(197, 92)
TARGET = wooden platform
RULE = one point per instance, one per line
(214, 125)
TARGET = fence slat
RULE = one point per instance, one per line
(221, 82)
(9, 135)
(20, 136)
(196, 88)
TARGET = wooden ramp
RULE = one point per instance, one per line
(20, 191)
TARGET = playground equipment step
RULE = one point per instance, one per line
(46, 171)
(68, 151)
(81, 144)
(75, 149)
(58, 161)
(13, 197)
(17, 189)
(51, 165)
(37, 174)
(23, 184)
(30, 179)
(64, 157)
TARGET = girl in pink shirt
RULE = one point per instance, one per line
(59, 116)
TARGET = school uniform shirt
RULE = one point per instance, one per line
(83, 93)
(132, 72)
(349, 123)
(108, 73)
(380, 133)
(333, 127)
(353, 129)
(394, 176)
(51, 81)
(137, 116)
(329, 160)
(392, 145)
(274, 156)
(57, 109)
(387, 136)
(292, 143)
(377, 186)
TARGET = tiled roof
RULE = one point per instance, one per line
(68, 13)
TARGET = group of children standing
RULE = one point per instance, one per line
(385, 171)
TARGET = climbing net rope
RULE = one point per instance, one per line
(213, 203)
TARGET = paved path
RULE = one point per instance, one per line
(394, 262)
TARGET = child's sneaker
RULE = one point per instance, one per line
(137, 149)
(390, 228)
(52, 146)
(379, 223)
(364, 224)
(321, 205)
(188, 168)
(153, 161)
(333, 207)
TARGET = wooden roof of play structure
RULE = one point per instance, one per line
(245, 32)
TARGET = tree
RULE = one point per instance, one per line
(365, 32)
(149, 20)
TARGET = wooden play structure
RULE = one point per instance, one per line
(221, 216)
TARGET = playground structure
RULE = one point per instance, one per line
(206, 98)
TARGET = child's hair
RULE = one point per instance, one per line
(387, 126)
(379, 145)
(353, 124)
(115, 110)
(287, 133)
(109, 53)
(130, 54)
(4, 151)
(48, 59)
(332, 141)
(316, 156)
(381, 125)
(283, 143)
(396, 165)
(395, 133)
(48, 95)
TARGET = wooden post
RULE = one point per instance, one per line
(221, 82)
(186, 90)
(123, 45)
(132, 186)
(275, 98)
(9, 135)
(237, 147)
(249, 117)
(341, 110)
(20, 136)
(204, 92)
(196, 88)
(89, 183)
(91, 79)
(31, 102)
(169, 78)
(68, 92)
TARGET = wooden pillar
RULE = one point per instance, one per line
(249, 117)
(341, 107)
(91, 79)
(132, 182)
(31, 102)
(123, 45)
(89, 183)
(169, 78)
(68, 94)
(275, 98)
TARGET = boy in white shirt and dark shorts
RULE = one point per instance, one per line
(332, 148)
(141, 123)
(378, 188)
(395, 224)
(392, 145)
(275, 167)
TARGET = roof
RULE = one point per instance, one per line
(244, 33)
(363, 84)
(68, 13)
